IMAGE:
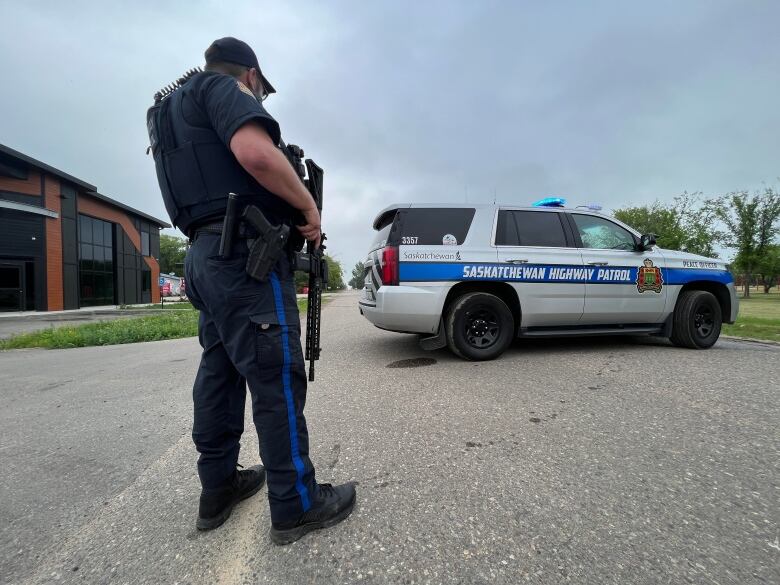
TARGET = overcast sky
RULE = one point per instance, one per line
(619, 102)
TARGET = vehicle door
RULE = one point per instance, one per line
(539, 258)
(626, 285)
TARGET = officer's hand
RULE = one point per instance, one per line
(312, 229)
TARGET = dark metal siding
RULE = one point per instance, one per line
(154, 238)
(20, 198)
(70, 256)
(23, 237)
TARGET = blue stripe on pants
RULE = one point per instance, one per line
(292, 419)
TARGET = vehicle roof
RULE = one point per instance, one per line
(378, 220)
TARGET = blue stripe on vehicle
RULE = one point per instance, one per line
(686, 275)
(292, 419)
(548, 273)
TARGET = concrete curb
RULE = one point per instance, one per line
(751, 340)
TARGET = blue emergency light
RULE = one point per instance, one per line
(550, 202)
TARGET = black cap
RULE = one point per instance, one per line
(231, 50)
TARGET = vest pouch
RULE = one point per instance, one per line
(184, 176)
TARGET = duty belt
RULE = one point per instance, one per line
(267, 243)
(244, 231)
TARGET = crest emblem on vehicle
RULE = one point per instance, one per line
(649, 278)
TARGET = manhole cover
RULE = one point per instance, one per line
(412, 363)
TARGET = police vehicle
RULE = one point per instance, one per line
(473, 277)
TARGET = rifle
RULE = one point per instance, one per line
(313, 260)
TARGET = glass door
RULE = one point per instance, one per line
(11, 286)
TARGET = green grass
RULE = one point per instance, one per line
(759, 318)
(180, 322)
(151, 328)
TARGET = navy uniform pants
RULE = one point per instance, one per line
(251, 335)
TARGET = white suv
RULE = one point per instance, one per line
(473, 277)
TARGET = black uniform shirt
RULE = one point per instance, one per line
(225, 104)
(206, 112)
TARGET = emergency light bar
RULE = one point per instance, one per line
(550, 202)
(591, 207)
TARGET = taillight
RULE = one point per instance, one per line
(389, 266)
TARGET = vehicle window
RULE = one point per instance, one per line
(506, 230)
(435, 226)
(530, 228)
(602, 234)
(380, 239)
(383, 230)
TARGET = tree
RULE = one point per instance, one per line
(335, 277)
(654, 219)
(301, 281)
(335, 274)
(769, 267)
(687, 224)
(697, 219)
(751, 223)
(358, 276)
(172, 252)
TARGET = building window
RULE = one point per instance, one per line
(96, 261)
(145, 244)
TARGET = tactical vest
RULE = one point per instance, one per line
(196, 170)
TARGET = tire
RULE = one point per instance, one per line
(479, 326)
(697, 320)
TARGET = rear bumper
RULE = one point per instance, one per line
(411, 309)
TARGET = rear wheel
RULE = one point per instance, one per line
(479, 326)
(697, 320)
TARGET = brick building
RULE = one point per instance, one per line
(63, 245)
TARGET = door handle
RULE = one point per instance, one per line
(598, 263)
(517, 261)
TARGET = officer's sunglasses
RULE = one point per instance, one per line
(263, 93)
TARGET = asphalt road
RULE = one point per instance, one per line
(606, 461)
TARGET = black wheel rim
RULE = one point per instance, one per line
(704, 320)
(482, 327)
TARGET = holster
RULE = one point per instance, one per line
(269, 245)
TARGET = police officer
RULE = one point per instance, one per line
(211, 137)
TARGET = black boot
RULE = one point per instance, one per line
(217, 504)
(329, 507)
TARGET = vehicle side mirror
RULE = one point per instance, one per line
(646, 242)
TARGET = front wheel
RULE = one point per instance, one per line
(479, 326)
(697, 320)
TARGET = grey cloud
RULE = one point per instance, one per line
(604, 100)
